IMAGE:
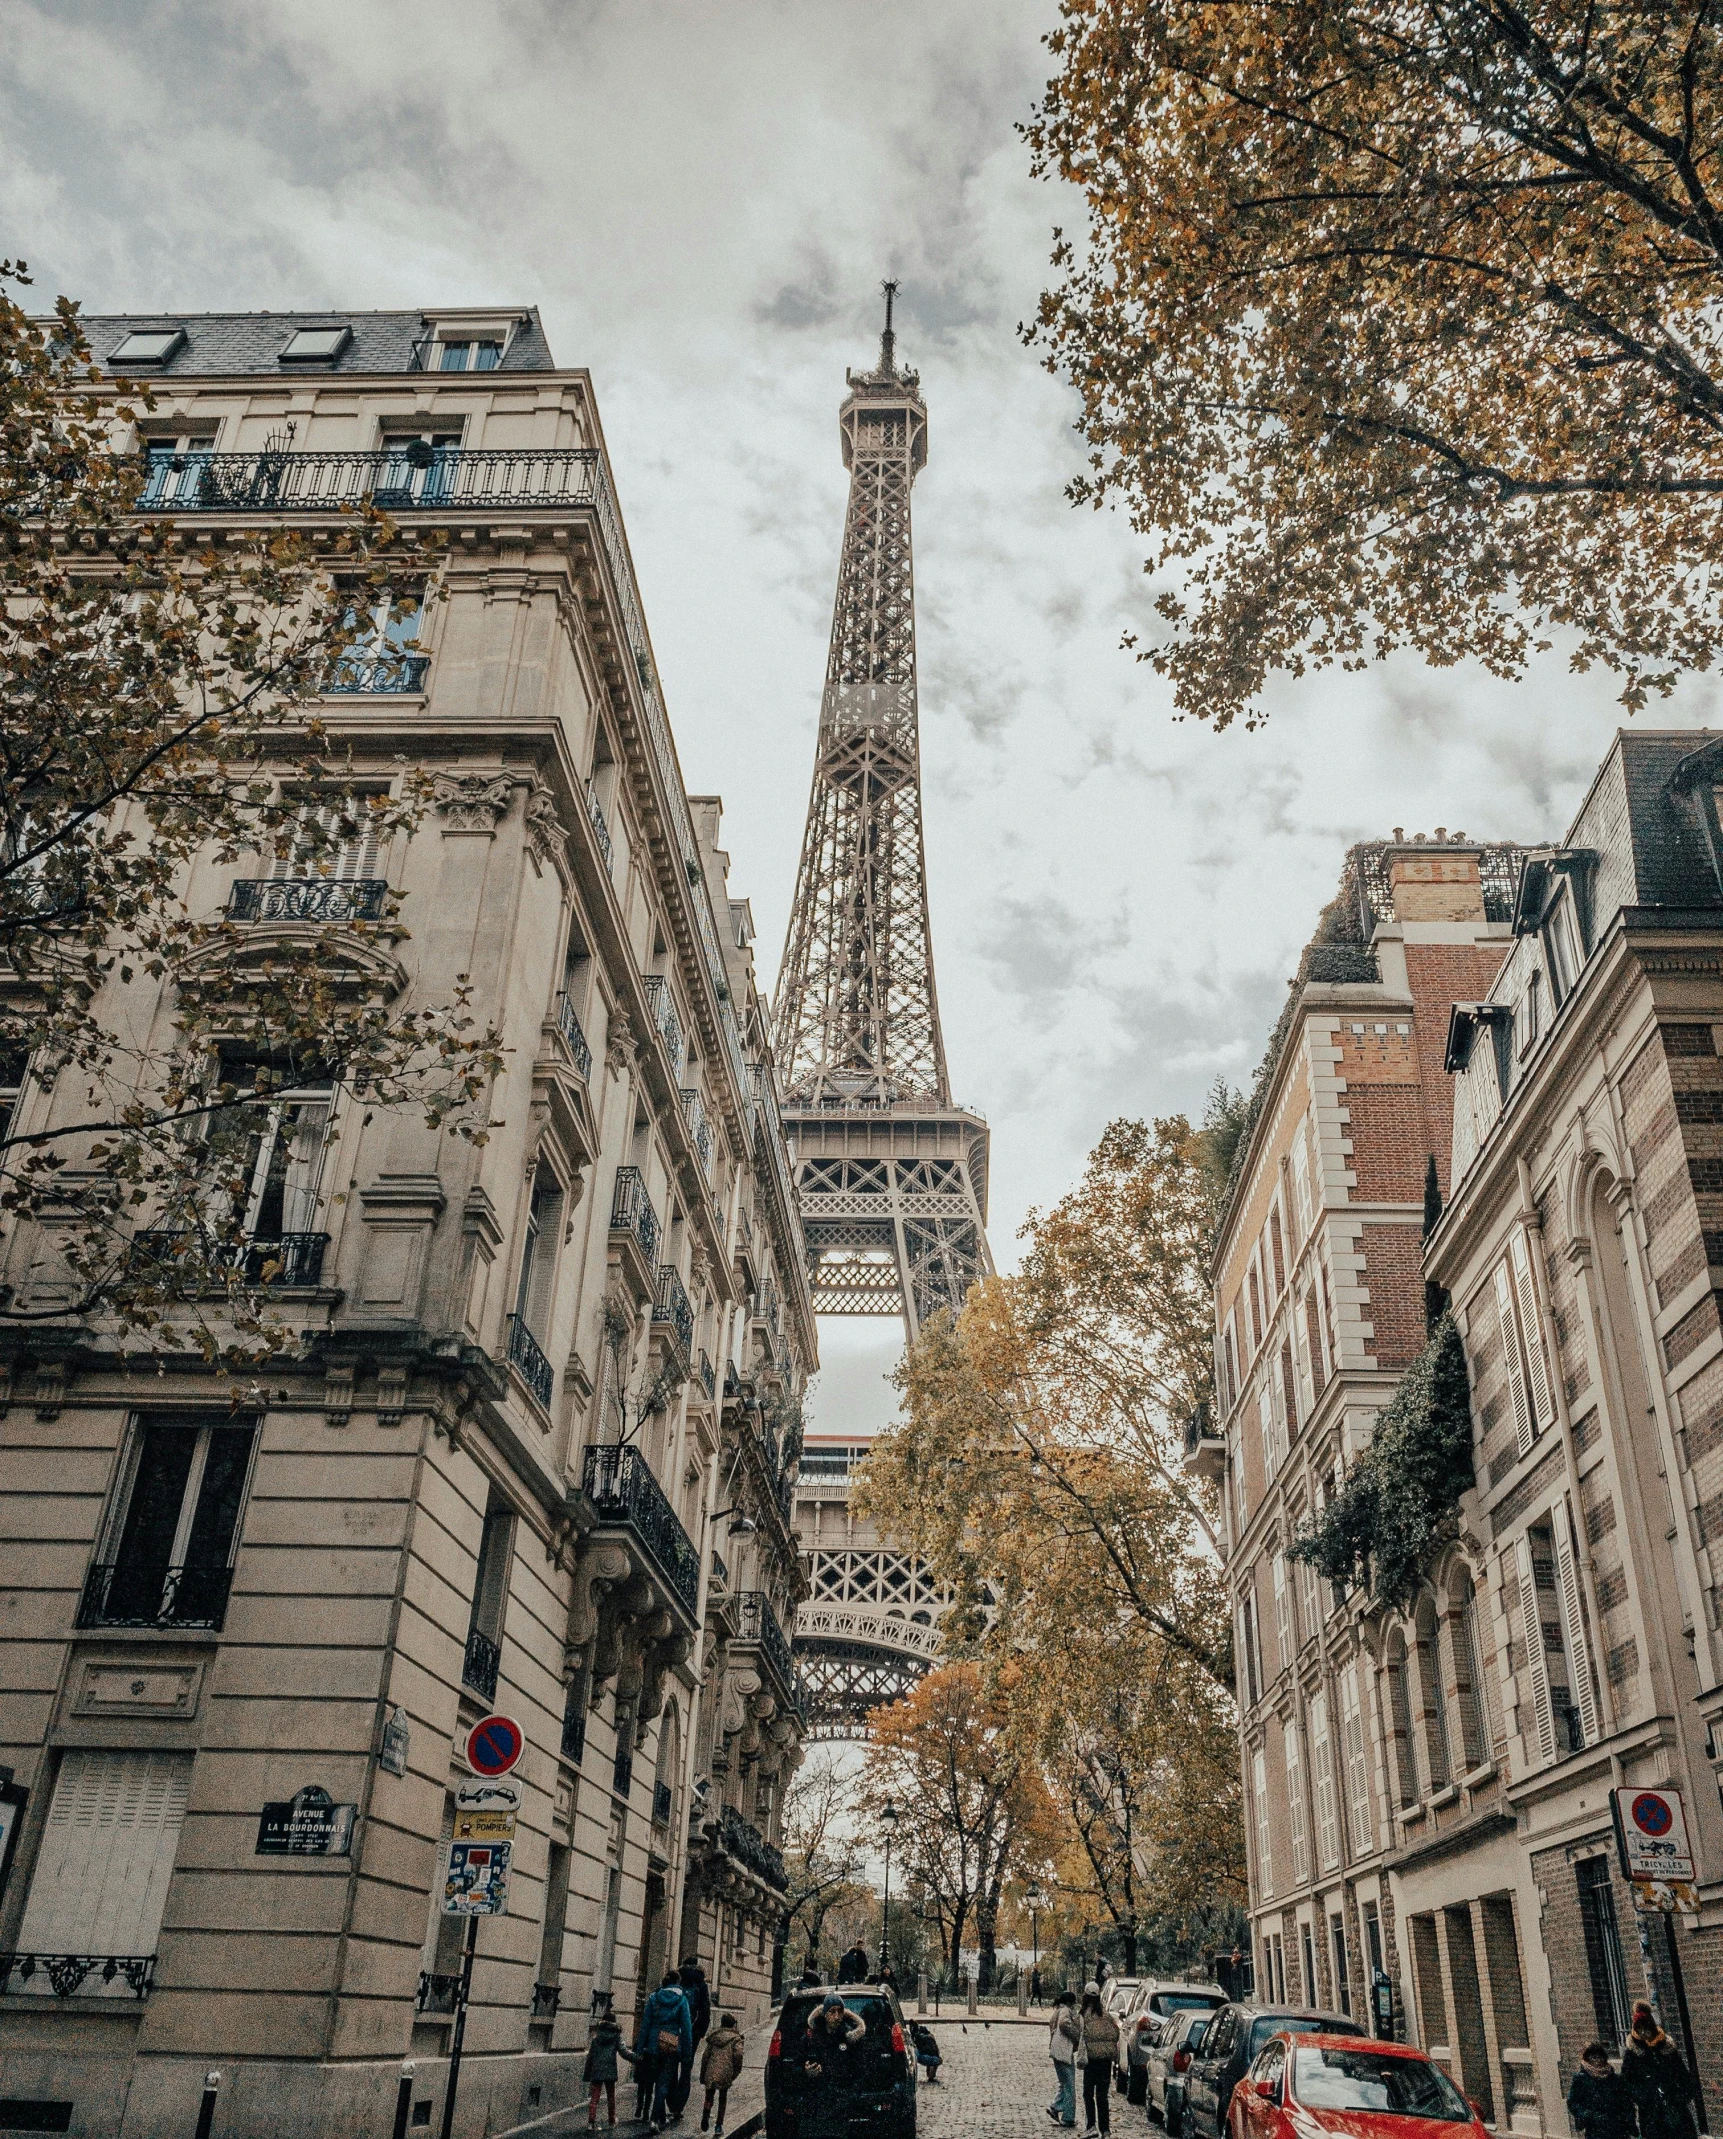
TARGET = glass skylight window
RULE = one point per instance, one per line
(316, 345)
(148, 345)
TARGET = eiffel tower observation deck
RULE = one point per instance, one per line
(892, 1173)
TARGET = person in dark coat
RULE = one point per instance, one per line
(1659, 2083)
(826, 2054)
(604, 2047)
(1598, 2102)
(667, 2037)
(693, 1980)
(852, 1968)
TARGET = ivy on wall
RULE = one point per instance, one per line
(1399, 1503)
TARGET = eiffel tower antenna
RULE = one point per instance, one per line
(893, 1176)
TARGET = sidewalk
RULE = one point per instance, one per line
(744, 2114)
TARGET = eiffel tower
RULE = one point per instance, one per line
(892, 1175)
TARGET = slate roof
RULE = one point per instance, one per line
(220, 344)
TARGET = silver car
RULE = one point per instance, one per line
(1169, 2061)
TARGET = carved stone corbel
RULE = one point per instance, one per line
(546, 840)
(621, 1045)
(597, 1572)
(471, 801)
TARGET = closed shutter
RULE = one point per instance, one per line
(1264, 1839)
(107, 1855)
(1531, 1334)
(1322, 1767)
(1296, 1816)
(1573, 1621)
(1282, 1610)
(1540, 1741)
(1525, 1431)
(1358, 1809)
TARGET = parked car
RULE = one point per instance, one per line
(1235, 2036)
(1117, 1991)
(1138, 2028)
(1178, 2042)
(1303, 2083)
(879, 2075)
(1144, 2017)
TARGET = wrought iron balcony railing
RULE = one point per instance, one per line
(663, 1804)
(121, 1593)
(664, 1018)
(574, 1722)
(600, 828)
(526, 1354)
(572, 1037)
(622, 1771)
(631, 1211)
(699, 1128)
(402, 478)
(748, 1846)
(720, 1571)
(708, 1379)
(437, 1994)
(670, 1309)
(63, 1975)
(290, 1259)
(758, 1623)
(377, 675)
(479, 1665)
(546, 1997)
(308, 898)
(623, 1489)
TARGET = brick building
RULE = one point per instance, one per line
(534, 1448)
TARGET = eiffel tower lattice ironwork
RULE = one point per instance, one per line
(892, 1175)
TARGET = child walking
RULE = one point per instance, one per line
(604, 2047)
(720, 2069)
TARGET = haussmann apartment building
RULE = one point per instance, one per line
(1428, 1790)
(533, 1450)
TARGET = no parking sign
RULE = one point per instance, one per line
(1651, 1827)
(494, 1744)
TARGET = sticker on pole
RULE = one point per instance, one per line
(494, 1744)
(478, 1879)
(1651, 1827)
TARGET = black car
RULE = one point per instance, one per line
(1233, 2037)
(871, 2088)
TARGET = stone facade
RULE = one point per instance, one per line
(533, 1451)
(1569, 1639)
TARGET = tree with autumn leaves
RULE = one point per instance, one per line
(1037, 1472)
(1397, 323)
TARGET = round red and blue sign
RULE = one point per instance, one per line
(494, 1744)
(1651, 1813)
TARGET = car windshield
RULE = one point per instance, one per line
(1368, 2080)
(1175, 2001)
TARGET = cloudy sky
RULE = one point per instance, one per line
(702, 199)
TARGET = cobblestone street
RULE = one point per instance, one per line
(995, 2083)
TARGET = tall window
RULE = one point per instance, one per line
(174, 468)
(383, 655)
(264, 1158)
(332, 836)
(469, 356)
(1434, 1701)
(1400, 1713)
(1469, 1679)
(490, 1599)
(1609, 2001)
(168, 1558)
(538, 1254)
(418, 468)
(1322, 1771)
(1282, 1609)
(1342, 1974)
(1360, 1818)
(1297, 1819)
(1264, 1837)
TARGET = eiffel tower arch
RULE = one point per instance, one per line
(891, 1172)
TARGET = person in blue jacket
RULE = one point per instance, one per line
(667, 2037)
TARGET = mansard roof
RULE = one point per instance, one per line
(221, 344)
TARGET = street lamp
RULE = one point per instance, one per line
(888, 1820)
(1037, 1902)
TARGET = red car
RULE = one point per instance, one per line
(1304, 2086)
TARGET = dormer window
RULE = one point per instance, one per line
(316, 345)
(149, 345)
(467, 356)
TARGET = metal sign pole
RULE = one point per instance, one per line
(460, 2026)
(1674, 1946)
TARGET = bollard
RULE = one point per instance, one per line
(921, 1992)
(206, 2108)
(972, 1993)
(404, 2099)
(1022, 1995)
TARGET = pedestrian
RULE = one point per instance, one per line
(604, 2046)
(1063, 2041)
(1660, 2084)
(1598, 2102)
(1035, 1986)
(926, 2051)
(887, 1977)
(825, 2055)
(1100, 2049)
(852, 1968)
(810, 1974)
(720, 2069)
(692, 1978)
(667, 2037)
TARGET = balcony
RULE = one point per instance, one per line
(624, 1491)
(569, 1032)
(631, 1212)
(664, 1019)
(294, 1260)
(708, 1379)
(663, 1804)
(749, 1847)
(65, 1975)
(411, 476)
(671, 1311)
(528, 1360)
(600, 828)
(119, 1593)
(699, 1128)
(310, 898)
(758, 1623)
(1204, 1449)
(546, 1998)
(437, 1994)
(377, 675)
(479, 1665)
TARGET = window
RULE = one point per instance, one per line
(1296, 1817)
(334, 838)
(148, 345)
(490, 1599)
(102, 1871)
(1264, 1838)
(316, 345)
(174, 468)
(1310, 1990)
(1359, 1817)
(1282, 1609)
(555, 1920)
(1529, 1017)
(468, 356)
(1342, 1975)
(440, 1961)
(263, 1163)
(175, 1528)
(1252, 1660)
(1434, 1701)
(1269, 1424)
(1400, 1711)
(1301, 1183)
(538, 1255)
(418, 468)
(1523, 1358)
(1463, 1622)
(1609, 2000)
(383, 656)
(1322, 1768)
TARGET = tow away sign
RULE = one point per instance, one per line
(486, 1811)
(1651, 1828)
